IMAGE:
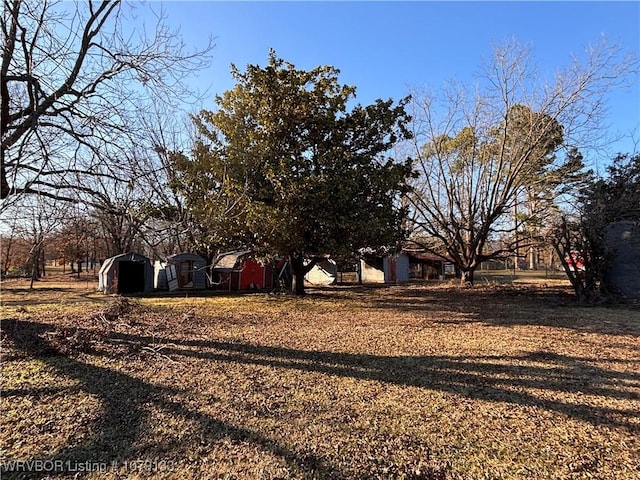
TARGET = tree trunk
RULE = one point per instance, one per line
(467, 276)
(35, 268)
(298, 271)
(43, 263)
(6, 264)
(5, 189)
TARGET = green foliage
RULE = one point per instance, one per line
(601, 202)
(616, 197)
(283, 166)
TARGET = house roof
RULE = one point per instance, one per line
(428, 257)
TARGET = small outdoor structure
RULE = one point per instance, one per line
(623, 241)
(396, 268)
(238, 270)
(185, 271)
(392, 269)
(426, 266)
(371, 269)
(323, 273)
(126, 273)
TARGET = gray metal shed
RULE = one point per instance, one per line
(190, 271)
(623, 241)
(126, 273)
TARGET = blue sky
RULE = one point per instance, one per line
(383, 48)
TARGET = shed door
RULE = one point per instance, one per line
(252, 276)
(393, 269)
(185, 277)
(130, 277)
(172, 277)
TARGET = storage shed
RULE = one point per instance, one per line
(396, 268)
(126, 273)
(392, 269)
(623, 241)
(371, 269)
(190, 271)
(426, 266)
(324, 272)
(238, 270)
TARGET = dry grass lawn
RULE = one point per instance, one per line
(403, 382)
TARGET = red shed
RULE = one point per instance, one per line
(238, 270)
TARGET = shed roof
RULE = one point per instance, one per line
(186, 256)
(110, 268)
(226, 262)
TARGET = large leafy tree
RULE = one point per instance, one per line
(494, 161)
(284, 166)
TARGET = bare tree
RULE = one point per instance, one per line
(511, 143)
(11, 246)
(75, 80)
(169, 226)
(37, 219)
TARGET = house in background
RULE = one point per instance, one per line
(426, 266)
(185, 271)
(126, 273)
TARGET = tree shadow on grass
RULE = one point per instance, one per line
(502, 306)
(489, 378)
(122, 419)
(571, 386)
